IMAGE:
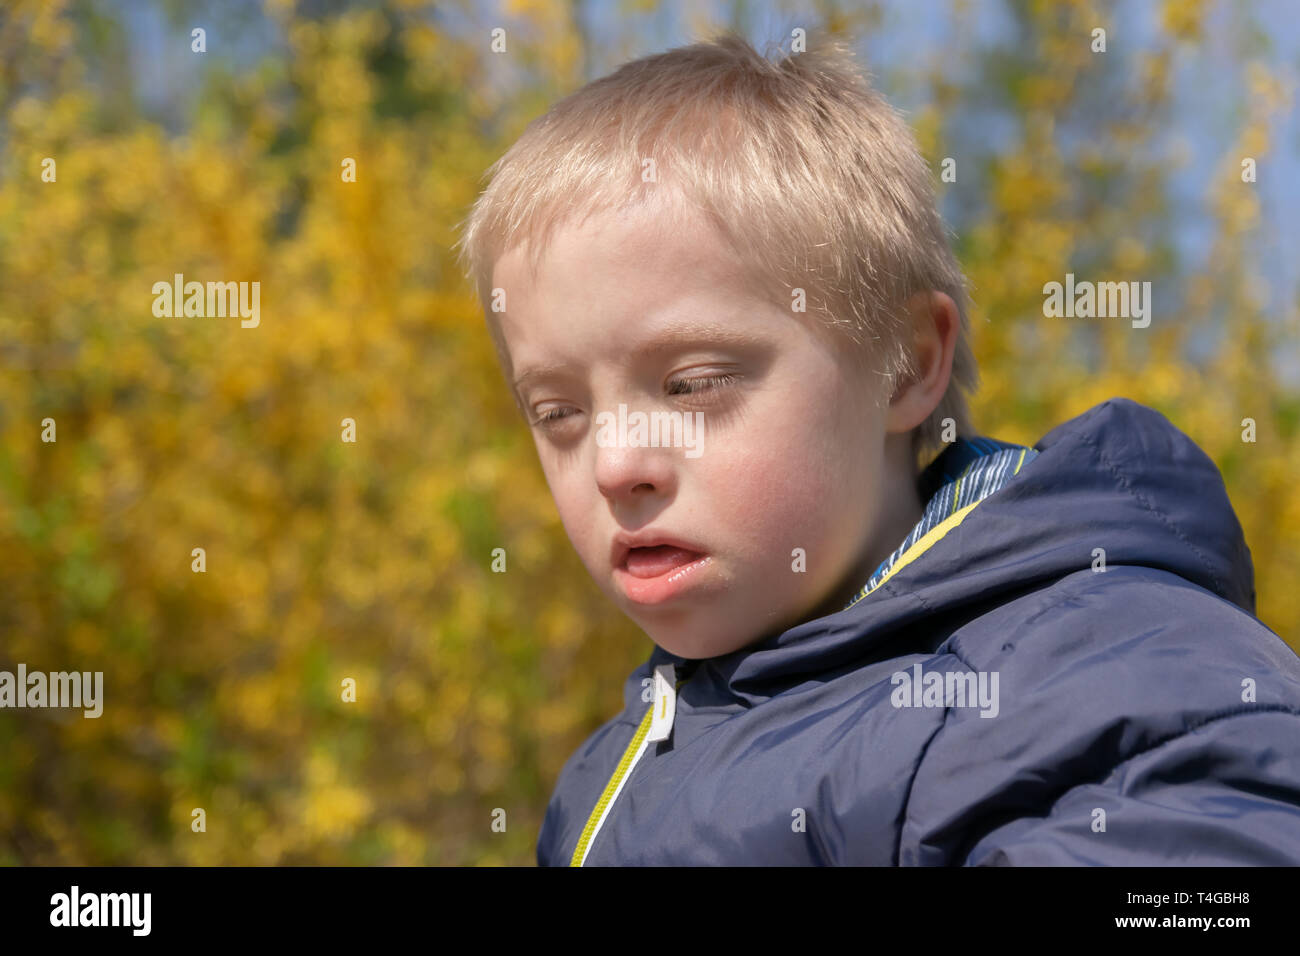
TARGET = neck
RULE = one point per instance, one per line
(899, 511)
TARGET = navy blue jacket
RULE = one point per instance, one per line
(1134, 711)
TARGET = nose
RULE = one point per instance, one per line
(627, 474)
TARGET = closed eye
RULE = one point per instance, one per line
(688, 386)
(682, 386)
(553, 414)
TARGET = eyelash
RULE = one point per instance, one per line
(702, 383)
(550, 416)
(689, 386)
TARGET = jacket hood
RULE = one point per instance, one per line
(1001, 520)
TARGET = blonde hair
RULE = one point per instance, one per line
(807, 172)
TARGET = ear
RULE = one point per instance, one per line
(935, 323)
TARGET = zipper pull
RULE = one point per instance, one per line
(665, 703)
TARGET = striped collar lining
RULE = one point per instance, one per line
(968, 472)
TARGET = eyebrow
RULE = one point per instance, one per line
(670, 338)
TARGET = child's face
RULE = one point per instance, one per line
(793, 445)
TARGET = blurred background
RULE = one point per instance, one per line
(328, 560)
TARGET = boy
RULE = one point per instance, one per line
(1020, 655)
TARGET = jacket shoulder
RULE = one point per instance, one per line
(1147, 617)
(1093, 672)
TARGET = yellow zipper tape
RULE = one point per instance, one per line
(610, 788)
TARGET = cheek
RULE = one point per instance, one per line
(783, 487)
(573, 501)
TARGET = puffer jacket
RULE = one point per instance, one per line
(1060, 666)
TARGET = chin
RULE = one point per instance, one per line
(696, 645)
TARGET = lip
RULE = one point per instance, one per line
(623, 543)
(661, 587)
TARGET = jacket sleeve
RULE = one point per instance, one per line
(1225, 793)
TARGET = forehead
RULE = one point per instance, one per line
(659, 237)
(601, 281)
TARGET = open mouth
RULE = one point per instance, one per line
(657, 560)
(660, 573)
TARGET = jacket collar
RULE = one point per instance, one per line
(967, 472)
